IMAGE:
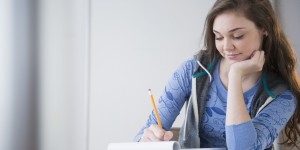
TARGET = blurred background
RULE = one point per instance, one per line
(74, 74)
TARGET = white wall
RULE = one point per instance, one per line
(289, 16)
(136, 45)
(63, 69)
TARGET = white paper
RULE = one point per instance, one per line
(167, 145)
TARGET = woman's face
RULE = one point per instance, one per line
(236, 36)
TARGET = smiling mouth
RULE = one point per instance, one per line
(232, 56)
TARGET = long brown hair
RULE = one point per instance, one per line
(279, 55)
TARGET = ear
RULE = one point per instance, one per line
(265, 32)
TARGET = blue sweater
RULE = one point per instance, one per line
(258, 133)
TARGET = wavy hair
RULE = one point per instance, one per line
(280, 56)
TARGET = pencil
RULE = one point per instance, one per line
(154, 108)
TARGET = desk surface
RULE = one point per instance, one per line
(166, 145)
(204, 149)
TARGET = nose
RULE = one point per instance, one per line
(228, 45)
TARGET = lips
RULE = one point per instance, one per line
(232, 56)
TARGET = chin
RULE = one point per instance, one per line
(231, 61)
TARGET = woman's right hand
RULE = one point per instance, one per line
(254, 64)
(155, 133)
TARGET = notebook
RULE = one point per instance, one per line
(167, 145)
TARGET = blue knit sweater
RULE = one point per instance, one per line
(260, 132)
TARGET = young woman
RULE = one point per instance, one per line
(241, 91)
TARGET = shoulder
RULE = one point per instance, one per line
(288, 97)
(185, 71)
(282, 107)
(285, 103)
(188, 65)
(286, 100)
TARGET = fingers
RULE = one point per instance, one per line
(144, 139)
(155, 133)
(257, 54)
(259, 59)
(149, 136)
(252, 54)
(262, 57)
(158, 132)
(168, 136)
(249, 66)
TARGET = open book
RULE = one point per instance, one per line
(167, 145)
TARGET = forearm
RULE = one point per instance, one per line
(236, 112)
(261, 131)
(176, 91)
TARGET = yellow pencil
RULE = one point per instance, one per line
(155, 110)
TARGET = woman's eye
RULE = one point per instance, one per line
(219, 38)
(238, 37)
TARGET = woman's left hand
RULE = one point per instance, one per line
(251, 65)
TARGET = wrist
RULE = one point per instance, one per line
(234, 74)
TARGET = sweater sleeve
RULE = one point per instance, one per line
(260, 132)
(172, 99)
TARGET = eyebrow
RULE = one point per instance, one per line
(232, 30)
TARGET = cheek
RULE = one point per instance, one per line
(252, 43)
(219, 47)
(248, 47)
